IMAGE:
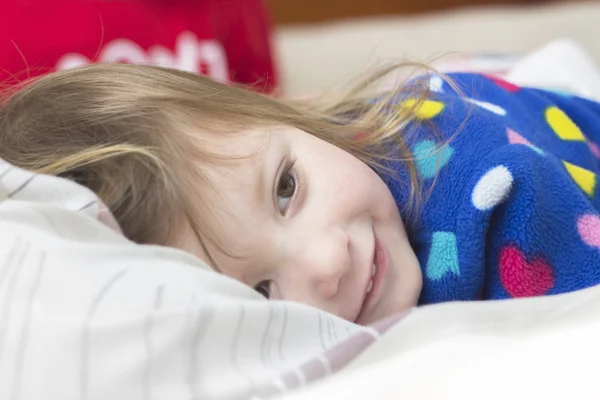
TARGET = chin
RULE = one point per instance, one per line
(408, 301)
(392, 310)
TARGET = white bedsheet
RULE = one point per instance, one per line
(541, 348)
(562, 64)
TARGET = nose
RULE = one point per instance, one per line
(316, 267)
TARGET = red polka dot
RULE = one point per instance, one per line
(361, 136)
(511, 87)
(521, 278)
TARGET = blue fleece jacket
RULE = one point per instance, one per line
(513, 203)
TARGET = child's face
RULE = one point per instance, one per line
(311, 223)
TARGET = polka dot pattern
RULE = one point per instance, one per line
(492, 188)
(509, 87)
(436, 84)
(361, 136)
(493, 108)
(586, 180)
(594, 148)
(515, 138)
(537, 150)
(588, 227)
(426, 109)
(430, 159)
(562, 125)
(503, 218)
(443, 256)
(522, 278)
(560, 92)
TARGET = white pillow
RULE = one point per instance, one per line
(87, 314)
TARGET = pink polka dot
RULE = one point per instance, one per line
(594, 148)
(588, 227)
(522, 278)
(515, 138)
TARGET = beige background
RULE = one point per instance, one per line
(315, 57)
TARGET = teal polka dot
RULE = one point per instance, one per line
(430, 159)
(443, 256)
(560, 92)
(536, 149)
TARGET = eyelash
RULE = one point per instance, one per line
(265, 287)
(290, 168)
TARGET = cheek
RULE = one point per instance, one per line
(187, 241)
(339, 181)
(368, 194)
(383, 202)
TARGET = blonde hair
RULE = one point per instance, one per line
(130, 133)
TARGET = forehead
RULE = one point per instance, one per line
(223, 160)
(234, 195)
(240, 145)
(242, 162)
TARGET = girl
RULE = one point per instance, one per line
(362, 206)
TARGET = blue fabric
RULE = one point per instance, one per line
(513, 201)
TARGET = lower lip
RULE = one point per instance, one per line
(380, 270)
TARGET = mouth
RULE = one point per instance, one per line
(371, 294)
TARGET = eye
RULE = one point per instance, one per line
(264, 288)
(286, 188)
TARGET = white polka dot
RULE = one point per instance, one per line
(436, 83)
(488, 106)
(492, 188)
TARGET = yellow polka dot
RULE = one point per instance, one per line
(562, 125)
(586, 180)
(426, 109)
